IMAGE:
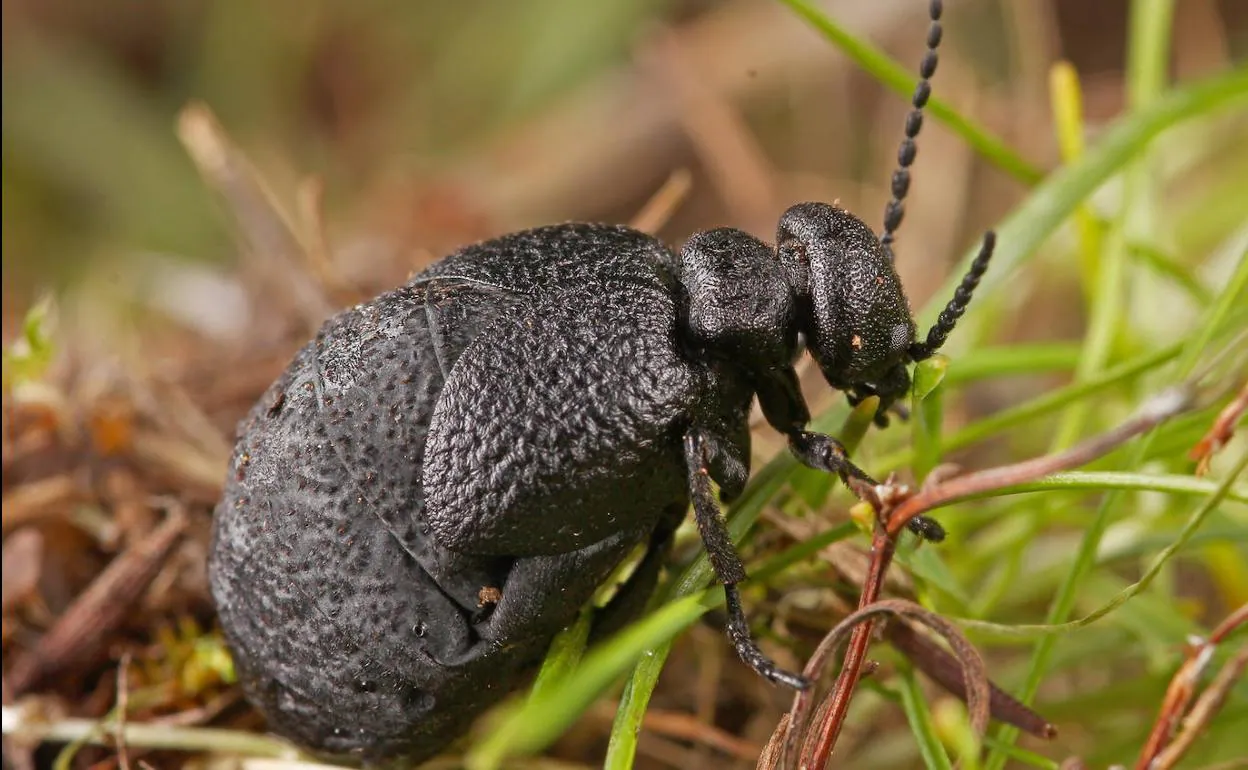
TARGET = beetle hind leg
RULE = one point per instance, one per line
(727, 563)
(632, 595)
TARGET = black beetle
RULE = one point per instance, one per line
(445, 475)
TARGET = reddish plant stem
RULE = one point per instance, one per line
(1182, 690)
(1233, 621)
(1203, 711)
(891, 520)
(1220, 432)
(974, 679)
(883, 546)
(1154, 412)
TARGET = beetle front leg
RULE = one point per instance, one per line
(726, 562)
(780, 397)
(822, 452)
(784, 407)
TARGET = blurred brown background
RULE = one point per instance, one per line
(434, 123)
(429, 124)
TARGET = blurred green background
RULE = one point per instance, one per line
(432, 123)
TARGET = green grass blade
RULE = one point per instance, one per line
(1194, 523)
(1066, 96)
(1074, 481)
(1232, 298)
(802, 551)
(1148, 52)
(927, 413)
(1057, 197)
(1021, 755)
(902, 80)
(921, 724)
(1008, 360)
(543, 719)
(564, 656)
(625, 730)
(1164, 265)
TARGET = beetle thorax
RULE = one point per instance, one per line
(739, 307)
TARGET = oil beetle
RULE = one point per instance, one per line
(445, 475)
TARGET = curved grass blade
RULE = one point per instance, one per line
(1194, 522)
(900, 79)
(1059, 195)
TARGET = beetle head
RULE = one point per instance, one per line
(851, 306)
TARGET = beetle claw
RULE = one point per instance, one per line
(927, 528)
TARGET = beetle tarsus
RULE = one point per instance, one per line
(927, 528)
(747, 648)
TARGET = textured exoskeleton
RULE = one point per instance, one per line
(451, 437)
(443, 477)
(446, 474)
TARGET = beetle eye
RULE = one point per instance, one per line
(900, 337)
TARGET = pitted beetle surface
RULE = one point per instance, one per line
(445, 475)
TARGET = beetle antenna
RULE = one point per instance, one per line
(940, 330)
(896, 209)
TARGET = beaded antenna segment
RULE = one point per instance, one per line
(895, 211)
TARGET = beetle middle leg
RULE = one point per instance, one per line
(726, 562)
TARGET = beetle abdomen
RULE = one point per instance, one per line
(353, 630)
(336, 627)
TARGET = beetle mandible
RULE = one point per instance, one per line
(445, 475)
